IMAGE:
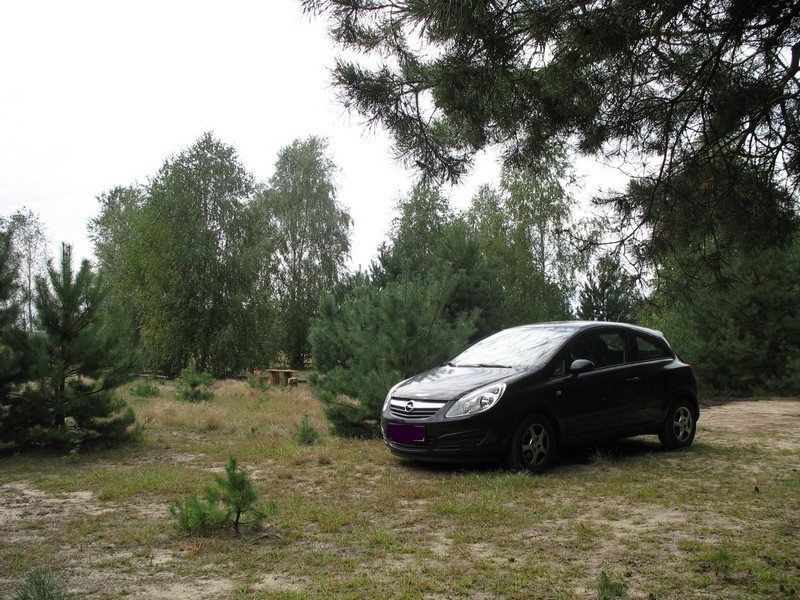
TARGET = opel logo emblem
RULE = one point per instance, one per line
(410, 406)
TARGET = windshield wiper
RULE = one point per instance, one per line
(481, 365)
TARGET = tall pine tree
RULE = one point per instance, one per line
(377, 336)
(609, 294)
(429, 293)
(74, 366)
(11, 364)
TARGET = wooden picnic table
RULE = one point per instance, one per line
(275, 376)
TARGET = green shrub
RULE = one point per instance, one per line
(41, 585)
(144, 389)
(261, 398)
(232, 501)
(259, 383)
(606, 588)
(193, 384)
(74, 455)
(305, 434)
(238, 495)
(721, 562)
(196, 516)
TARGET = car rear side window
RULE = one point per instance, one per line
(604, 349)
(651, 349)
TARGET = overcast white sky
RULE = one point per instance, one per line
(95, 94)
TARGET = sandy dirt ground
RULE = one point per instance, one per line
(751, 421)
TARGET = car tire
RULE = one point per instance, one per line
(679, 427)
(533, 446)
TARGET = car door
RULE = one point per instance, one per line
(606, 400)
(653, 356)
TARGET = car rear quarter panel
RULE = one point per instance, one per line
(668, 383)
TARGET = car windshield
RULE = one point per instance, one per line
(520, 347)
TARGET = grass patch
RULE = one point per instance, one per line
(352, 521)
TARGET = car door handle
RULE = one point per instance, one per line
(633, 379)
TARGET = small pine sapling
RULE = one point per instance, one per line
(43, 585)
(608, 589)
(305, 433)
(238, 495)
(144, 389)
(231, 501)
(193, 384)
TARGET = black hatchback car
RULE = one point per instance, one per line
(522, 393)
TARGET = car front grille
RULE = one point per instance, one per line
(414, 409)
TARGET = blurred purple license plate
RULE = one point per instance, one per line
(405, 434)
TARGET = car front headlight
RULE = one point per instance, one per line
(477, 401)
(389, 396)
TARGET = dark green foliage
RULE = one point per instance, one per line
(528, 234)
(12, 340)
(122, 259)
(706, 214)
(199, 275)
(238, 495)
(695, 86)
(610, 294)
(430, 292)
(43, 585)
(423, 219)
(429, 241)
(74, 366)
(375, 338)
(73, 456)
(193, 384)
(741, 332)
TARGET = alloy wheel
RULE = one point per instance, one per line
(683, 423)
(535, 444)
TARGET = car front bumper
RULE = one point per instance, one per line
(437, 441)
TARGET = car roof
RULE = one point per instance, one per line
(578, 325)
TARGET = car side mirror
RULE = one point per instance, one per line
(581, 365)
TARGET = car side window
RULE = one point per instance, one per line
(604, 348)
(650, 350)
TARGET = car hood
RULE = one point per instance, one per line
(448, 383)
